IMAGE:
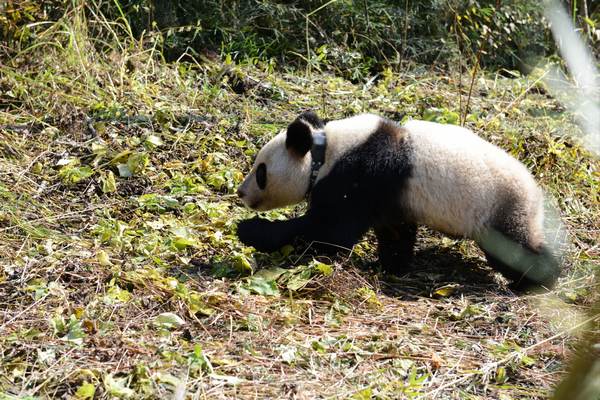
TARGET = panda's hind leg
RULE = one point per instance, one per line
(395, 246)
(510, 252)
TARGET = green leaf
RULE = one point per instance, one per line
(137, 162)
(38, 287)
(85, 391)
(527, 361)
(270, 274)
(501, 376)
(364, 394)
(72, 175)
(169, 320)
(241, 263)
(37, 168)
(103, 258)
(76, 333)
(58, 324)
(369, 297)
(157, 203)
(181, 243)
(590, 22)
(115, 295)
(169, 379)
(445, 291)
(99, 149)
(109, 184)
(322, 268)
(199, 360)
(117, 387)
(259, 285)
(217, 180)
(225, 179)
(153, 141)
(299, 280)
(121, 157)
(198, 305)
(286, 250)
(318, 346)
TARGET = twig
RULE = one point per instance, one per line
(460, 66)
(367, 15)
(475, 69)
(318, 242)
(306, 32)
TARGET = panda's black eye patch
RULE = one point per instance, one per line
(261, 176)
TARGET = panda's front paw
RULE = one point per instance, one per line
(248, 230)
(255, 232)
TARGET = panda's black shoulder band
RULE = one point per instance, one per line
(317, 153)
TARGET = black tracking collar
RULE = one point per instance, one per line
(317, 152)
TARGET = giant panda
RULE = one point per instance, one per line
(368, 172)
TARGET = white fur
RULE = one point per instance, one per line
(458, 179)
(287, 177)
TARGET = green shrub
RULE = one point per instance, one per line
(352, 38)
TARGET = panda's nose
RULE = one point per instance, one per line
(241, 193)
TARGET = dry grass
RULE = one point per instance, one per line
(134, 286)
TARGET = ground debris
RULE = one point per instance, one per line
(118, 210)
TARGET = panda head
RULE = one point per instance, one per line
(281, 173)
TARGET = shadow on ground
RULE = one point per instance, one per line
(446, 271)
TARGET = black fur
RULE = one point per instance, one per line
(313, 119)
(528, 267)
(507, 247)
(395, 243)
(299, 137)
(261, 176)
(362, 191)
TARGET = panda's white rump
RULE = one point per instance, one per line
(459, 181)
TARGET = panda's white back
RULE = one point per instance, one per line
(458, 180)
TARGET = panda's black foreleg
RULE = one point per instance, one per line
(395, 246)
(328, 232)
(333, 232)
(265, 235)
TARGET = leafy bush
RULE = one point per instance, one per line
(351, 38)
(509, 33)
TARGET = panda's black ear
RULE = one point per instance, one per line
(313, 119)
(299, 138)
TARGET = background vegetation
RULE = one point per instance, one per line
(353, 38)
(125, 128)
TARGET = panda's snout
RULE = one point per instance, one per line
(241, 193)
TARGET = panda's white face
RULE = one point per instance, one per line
(278, 178)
